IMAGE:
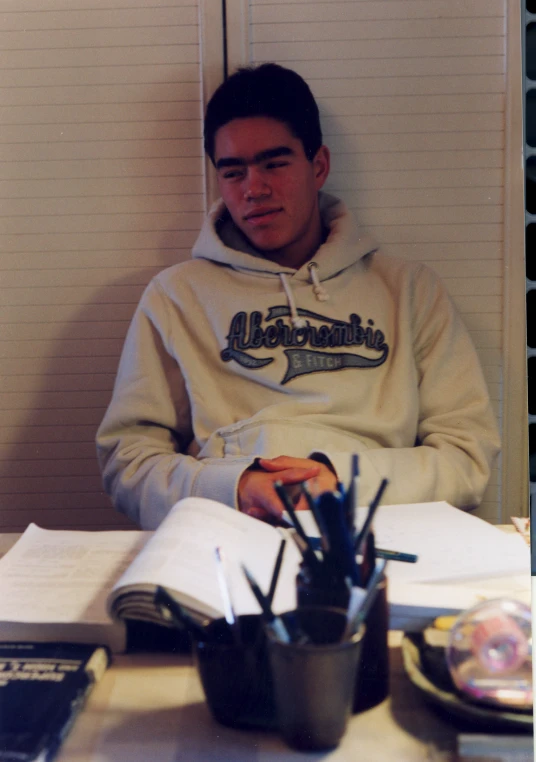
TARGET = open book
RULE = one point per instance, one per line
(83, 586)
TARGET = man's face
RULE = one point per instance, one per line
(270, 187)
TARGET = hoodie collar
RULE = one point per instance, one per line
(221, 241)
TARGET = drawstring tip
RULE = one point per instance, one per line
(318, 290)
(321, 294)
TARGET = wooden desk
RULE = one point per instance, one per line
(150, 708)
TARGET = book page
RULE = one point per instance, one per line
(451, 545)
(53, 576)
(181, 556)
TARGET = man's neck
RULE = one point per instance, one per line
(298, 254)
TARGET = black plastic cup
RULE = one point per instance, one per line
(372, 680)
(314, 681)
(236, 679)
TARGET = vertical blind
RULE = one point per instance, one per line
(412, 101)
(101, 185)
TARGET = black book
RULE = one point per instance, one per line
(43, 687)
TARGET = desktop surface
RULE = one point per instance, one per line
(151, 707)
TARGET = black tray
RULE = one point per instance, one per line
(427, 670)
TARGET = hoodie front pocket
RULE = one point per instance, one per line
(296, 438)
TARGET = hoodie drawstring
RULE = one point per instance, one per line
(318, 290)
(295, 319)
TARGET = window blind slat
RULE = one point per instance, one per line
(395, 28)
(391, 49)
(411, 66)
(103, 241)
(264, 10)
(72, 18)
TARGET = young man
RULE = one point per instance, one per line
(290, 341)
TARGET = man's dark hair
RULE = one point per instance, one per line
(267, 90)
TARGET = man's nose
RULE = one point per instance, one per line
(255, 185)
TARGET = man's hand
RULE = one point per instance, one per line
(257, 496)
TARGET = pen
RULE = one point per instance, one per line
(362, 536)
(352, 495)
(275, 622)
(357, 596)
(313, 507)
(309, 554)
(394, 555)
(225, 591)
(277, 569)
(369, 598)
(174, 612)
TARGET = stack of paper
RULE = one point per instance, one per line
(462, 560)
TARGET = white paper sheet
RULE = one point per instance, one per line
(451, 545)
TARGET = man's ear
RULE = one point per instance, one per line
(321, 165)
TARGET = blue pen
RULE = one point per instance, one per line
(322, 542)
(341, 557)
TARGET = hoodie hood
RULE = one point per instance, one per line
(222, 242)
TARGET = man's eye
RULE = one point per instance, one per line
(232, 174)
(276, 164)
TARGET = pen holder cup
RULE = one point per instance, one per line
(372, 680)
(327, 597)
(314, 681)
(236, 678)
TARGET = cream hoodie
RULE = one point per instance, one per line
(231, 356)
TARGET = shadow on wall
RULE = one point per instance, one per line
(51, 475)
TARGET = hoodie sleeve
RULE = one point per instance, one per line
(457, 433)
(143, 440)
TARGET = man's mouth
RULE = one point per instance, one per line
(261, 216)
